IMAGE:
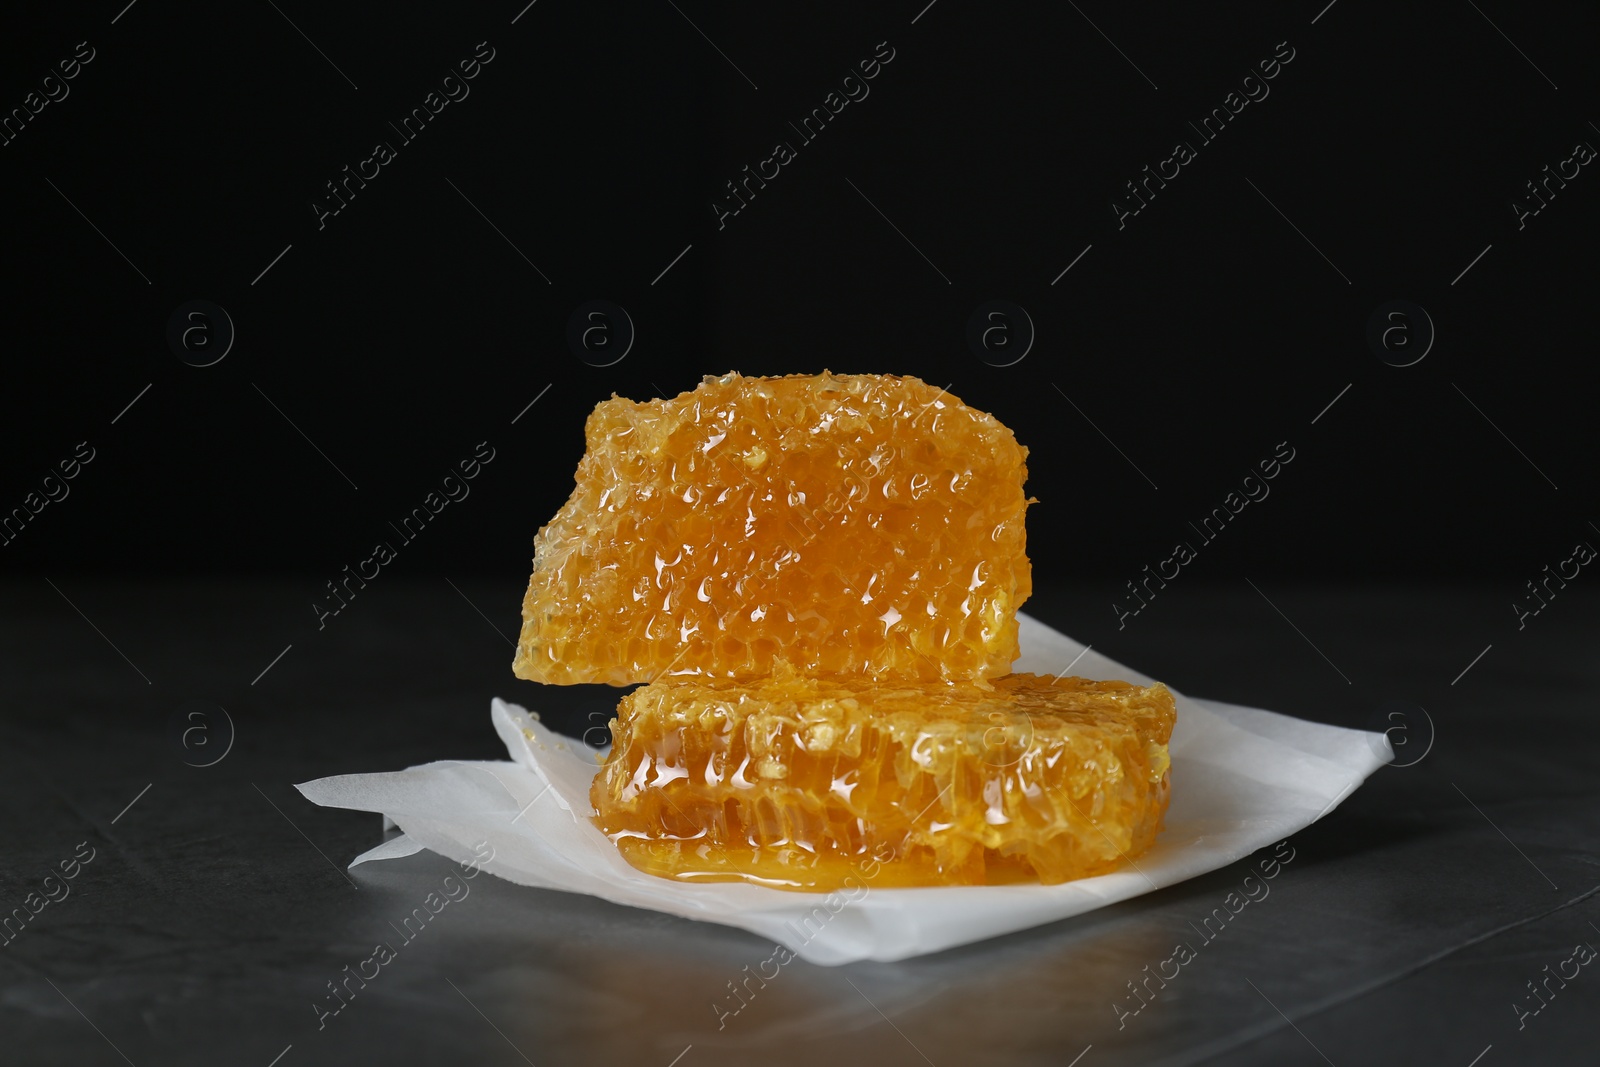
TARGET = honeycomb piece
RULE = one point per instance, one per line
(804, 784)
(852, 524)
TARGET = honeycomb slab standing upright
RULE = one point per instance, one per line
(867, 526)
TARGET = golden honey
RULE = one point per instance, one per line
(805, 783)
(864, 526)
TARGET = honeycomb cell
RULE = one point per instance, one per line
(820, 784)
(840, 525)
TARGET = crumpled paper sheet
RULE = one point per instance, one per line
(1242, 779)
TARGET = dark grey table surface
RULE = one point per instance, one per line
(1411, 926)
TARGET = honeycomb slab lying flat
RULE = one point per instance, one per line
(805, 784)
(864, 525)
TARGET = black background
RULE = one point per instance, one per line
(1196, 338)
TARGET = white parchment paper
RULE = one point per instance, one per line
(1242, 779)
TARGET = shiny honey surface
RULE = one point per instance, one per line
(805, 783)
